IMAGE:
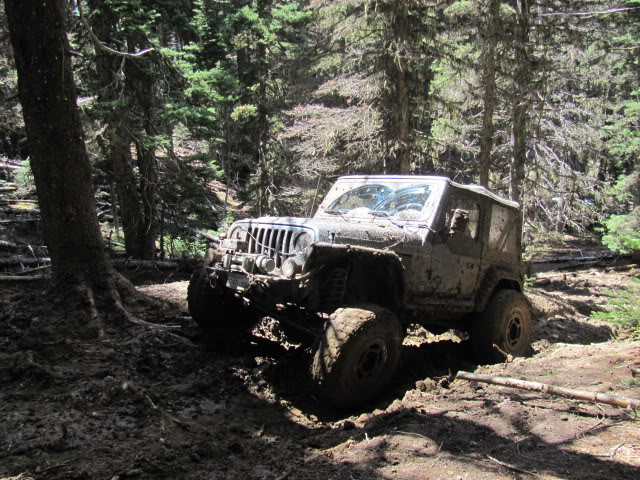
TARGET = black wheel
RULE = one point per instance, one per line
(210, 305)
(357, 355)
(506, 323)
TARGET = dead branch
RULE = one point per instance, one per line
(29, 271)
(509, 466)
(8, 189)
(593, 397)
(98, 43)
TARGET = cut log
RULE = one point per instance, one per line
(593, 397)
(207, 236)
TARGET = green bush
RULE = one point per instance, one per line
(622, 232)
(625, 307)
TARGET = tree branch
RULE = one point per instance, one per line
(98, 43)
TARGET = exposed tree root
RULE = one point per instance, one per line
(111, 300)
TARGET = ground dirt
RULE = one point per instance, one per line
(144, 402)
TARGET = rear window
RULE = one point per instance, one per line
(502, 234)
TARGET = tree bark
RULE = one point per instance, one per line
(108, 66)
(397, 126)
(59, 159)
(520, 115)
(489, 95)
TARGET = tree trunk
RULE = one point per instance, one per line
(103, 22)
(262, 132)
(59, 159)
(520, 115)
(489, 96)
(396, 105)
(141, 84)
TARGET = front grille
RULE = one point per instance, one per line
(274, 242)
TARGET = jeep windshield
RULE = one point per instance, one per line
(400, 200)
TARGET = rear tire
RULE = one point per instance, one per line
(505, 322)
(357, 355)
(214, 306)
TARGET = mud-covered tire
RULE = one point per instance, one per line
(505, 322)
(357, 355)
(213, 307)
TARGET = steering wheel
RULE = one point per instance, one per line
(407, 206)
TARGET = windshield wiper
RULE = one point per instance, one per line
(383, 214)
(337, 212)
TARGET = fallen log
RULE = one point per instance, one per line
(207, 236)
(19, 220)
(4, 245)
(16, 278)
(23, 261)
(4, 201)
(593, 397)
(9, 167)
(8, 189)
(18, 211)
(23, 247)
(160, 265)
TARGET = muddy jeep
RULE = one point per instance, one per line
(381, 253)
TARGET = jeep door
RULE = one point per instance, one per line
(456, 247)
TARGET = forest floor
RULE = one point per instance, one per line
(154, 403)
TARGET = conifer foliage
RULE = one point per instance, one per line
(184, 100)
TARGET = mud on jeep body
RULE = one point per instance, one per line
(382, 252)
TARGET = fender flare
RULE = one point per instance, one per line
(389, 263)
(497, 277)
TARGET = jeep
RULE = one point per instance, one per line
(381, 253)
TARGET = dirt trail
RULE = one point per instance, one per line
(147, 403)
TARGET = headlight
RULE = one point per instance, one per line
(238, 233)
(291, 267)
(302, 241)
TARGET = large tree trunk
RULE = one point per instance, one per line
(59, 159)
(142, 85)
(489, 96)
(398, 132)
(103, 22)
(520, 115)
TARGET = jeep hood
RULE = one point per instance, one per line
(380, 233)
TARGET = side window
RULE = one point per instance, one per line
(463, 217)
(502, 235)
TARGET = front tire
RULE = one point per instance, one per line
(212, 305)
(357, 355)
(506, 323)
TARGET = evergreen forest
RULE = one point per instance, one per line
(198, 112)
